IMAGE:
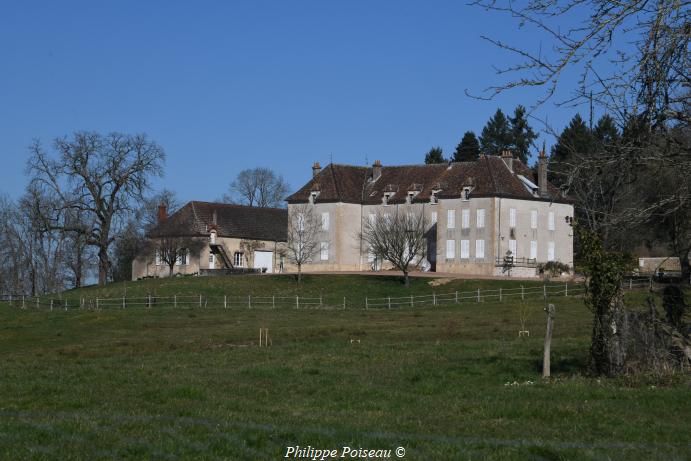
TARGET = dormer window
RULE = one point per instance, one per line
(313, 196)
(434, 197)
(387, 196)
(466, 193)
(411, 195)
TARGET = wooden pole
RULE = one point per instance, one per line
(123, 302)
(548, 341)
(478, 295)
(412, 301)
(366, 303)
(273, 302)
(434, 299)
(200, 300)
(175, 300)
(522, 293)
(544, 291)
(225, 301)
(297, 302)
(499, 294)
(249, 302)
(456, 296)
(389, 302)
(344, 303)
(566, 289)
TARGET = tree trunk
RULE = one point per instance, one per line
(102, 265)
(299, 273)
(546, 365)
(406, 279)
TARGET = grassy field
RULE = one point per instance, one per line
(451, 382)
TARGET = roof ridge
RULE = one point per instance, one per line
(235, 205)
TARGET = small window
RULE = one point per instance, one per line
(451, 219)
(325, 221)
(450, 249)
(239, 259)
(550, 251)
(282, 263)
(466, 194)
(533, 249)
(301, 222)
(533, 219)
(181, 260)
(480, 218)
(479, 249)
(433, 199)
(512, 218)
(512, 248)
(387, 196)
(313, 196)
(465, 249)
(324, 251)
(465, 219)
(550, 221)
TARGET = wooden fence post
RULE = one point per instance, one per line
(297, 302)
(412, 301)
(566, 289)
(123, 302)
(478, 295)
(200, 300)
(544, 291)
(456, 296)
(37, 303)
(23, 304)
(630, 284)
(175, 300)
(96, 303)
(273, 301)
(389, 302)
(434, 298)
(522, 293)
(366, 303)
(548, 341)
(51, 304)
(249, 302)
(344, 303)
(499, 294)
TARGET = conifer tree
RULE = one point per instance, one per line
(435, 155)
(468, 149)
(496, 135)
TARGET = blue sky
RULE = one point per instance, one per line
(224, 86)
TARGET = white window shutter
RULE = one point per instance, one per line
(550, 251)
(325, 221)
(533, 249)
(512, 217)
(480, 218)
(550, 224)
(512, 248)
(479, 249)
(465, 249)
(450, 249)
(533, 219)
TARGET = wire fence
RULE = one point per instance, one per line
(308, 302)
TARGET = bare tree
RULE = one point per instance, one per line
(259, 187)
(172, 242)
(632, 56)
(101, 176)
(399, 237)
(303, 236)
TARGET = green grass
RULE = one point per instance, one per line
(169, 383)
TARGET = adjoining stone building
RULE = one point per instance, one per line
(226, 237)
(477, 212)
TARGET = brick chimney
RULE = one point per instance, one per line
(316, 168)
(507, 157)
(376, 170)
(542, 174)
(162, 213)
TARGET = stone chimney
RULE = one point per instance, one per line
(162, 213)
(316, 168)
(542, 174)
(507, 157)
(376, 170)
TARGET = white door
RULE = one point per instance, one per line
(264, 260)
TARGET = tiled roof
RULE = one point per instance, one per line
(489, 177)
(197, 218)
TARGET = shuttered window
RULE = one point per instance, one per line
(479, 249)
(465, 249)
(465, 219)
(450, 249)
(512, 217)
(451, 219)
(480, 224)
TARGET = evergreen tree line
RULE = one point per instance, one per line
(500, 133)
